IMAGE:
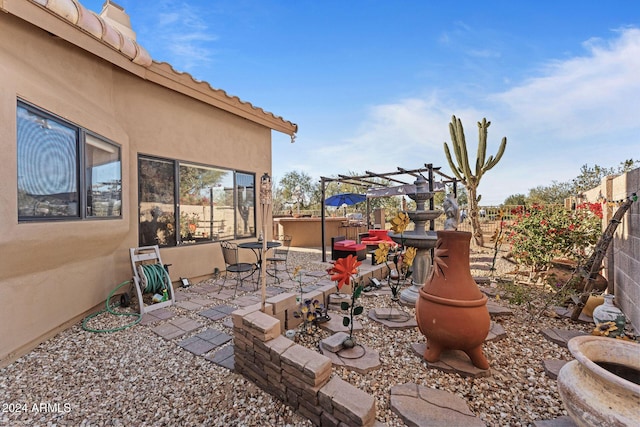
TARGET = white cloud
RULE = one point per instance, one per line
(180, 30)
(555, 123)
(598, 93)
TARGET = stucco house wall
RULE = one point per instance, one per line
(54, 273)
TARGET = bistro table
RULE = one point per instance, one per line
(256, 247)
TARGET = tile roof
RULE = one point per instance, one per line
(93, 24)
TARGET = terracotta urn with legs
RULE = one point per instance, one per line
(451, 312)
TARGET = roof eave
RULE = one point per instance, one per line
(89, 32)
(165, 75)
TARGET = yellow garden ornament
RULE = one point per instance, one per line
(400, 222)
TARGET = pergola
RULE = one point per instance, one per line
(401, 178)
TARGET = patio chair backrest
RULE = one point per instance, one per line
(283, 251)
(229, 252)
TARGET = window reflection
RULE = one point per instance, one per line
(103, 178)
(202, 206)
(47, 166)
(156, 202)
(210, 207)
(245, 195)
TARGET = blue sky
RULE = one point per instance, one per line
(372, 85)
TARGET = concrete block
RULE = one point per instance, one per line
(327, 290)
(357, 405)
(303, 390)
(313, 295)
(334, 342)
(300, 381)
(277, 346)
(261, 325)
(274, 375)
(306, 411)
(298, 357)
(240, 313)
(282, 317)
(282, 301)
(292, 399)
(277, 385)
(243, 341)
(328, 420)
(292, 321)
(261, 354)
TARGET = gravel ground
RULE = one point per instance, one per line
(133, 377)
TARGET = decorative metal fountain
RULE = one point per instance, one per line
(419, 238)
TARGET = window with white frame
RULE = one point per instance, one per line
(51, 154)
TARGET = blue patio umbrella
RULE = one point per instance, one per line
(345, 199)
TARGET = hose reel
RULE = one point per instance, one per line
(153, 278)
(150, 276)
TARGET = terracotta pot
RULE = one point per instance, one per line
(451, 311)
(595, 396)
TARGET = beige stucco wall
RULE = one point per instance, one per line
(54, 272)
(307, 232)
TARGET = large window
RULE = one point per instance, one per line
(51, 154)
(246, 197)
(211, 204)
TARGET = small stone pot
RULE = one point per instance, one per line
(451, 312)
(595, 396)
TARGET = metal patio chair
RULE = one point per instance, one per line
(233, 265)
(280, 256)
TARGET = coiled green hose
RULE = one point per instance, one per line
(155, 277)
(110, 310)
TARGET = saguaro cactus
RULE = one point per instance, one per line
(462, 170)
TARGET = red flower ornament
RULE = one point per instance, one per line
(344, 269)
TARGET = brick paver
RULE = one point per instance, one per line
(188, 305)
(176, 328)
(213, 314)
(205, 341)
(223, 357)
(246, 300)
(196, 345)
(156, 316)
(422, 406)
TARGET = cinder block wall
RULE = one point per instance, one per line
(625, 249)
(622, 262)
(298, 376)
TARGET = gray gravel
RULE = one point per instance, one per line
(135, 378)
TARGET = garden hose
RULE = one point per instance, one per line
(115, 313)
(152, 277)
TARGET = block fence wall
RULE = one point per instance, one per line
(622, 262)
